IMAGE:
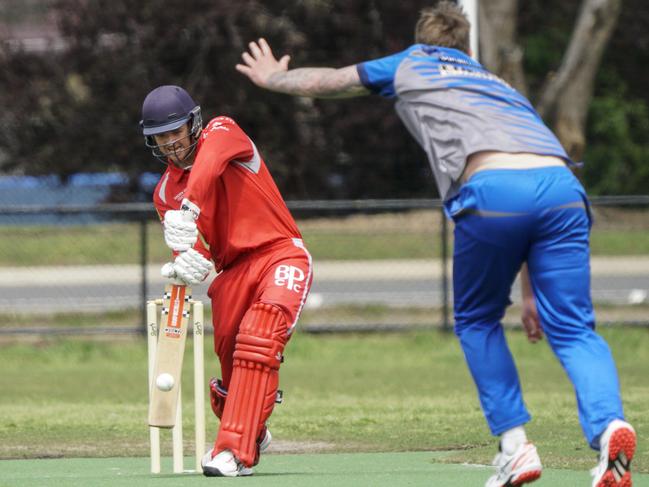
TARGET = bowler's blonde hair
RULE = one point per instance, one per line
(444, 25)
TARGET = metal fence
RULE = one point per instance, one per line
(378, 264)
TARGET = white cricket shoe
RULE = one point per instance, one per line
(265, 442)
(523, 467)
(617, 447)
(224, 464)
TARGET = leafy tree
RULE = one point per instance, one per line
(607, 123)
(84, 102)
(77, 109)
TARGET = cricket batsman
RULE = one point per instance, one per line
(221, 209)
(505, 182)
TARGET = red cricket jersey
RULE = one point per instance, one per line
(241, 208)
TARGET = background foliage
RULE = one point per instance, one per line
(76, 109)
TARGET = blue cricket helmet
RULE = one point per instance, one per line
(167, 108)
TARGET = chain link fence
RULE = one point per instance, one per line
(378, 264)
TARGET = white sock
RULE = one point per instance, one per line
(511, 439)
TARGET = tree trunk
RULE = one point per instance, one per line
(499, 52)
(567, 94)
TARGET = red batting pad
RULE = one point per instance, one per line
(253, 387)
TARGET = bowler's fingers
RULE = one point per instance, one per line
(533, 329)
(248, 59)
(244, 69)
(528, 331)
(265, 48)
(254, 50)
(259, 60)
(250, 68)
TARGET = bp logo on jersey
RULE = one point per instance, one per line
(290, 276)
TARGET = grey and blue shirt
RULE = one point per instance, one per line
(454, 107)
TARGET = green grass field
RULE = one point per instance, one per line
(344, 394)
(410, 235)
(315, 470)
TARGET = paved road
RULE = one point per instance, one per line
(395, 283)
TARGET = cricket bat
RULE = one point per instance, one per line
(169, 356)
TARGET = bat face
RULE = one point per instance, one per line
(165, 386)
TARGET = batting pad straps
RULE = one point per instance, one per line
(264, 351)
(218, 396)
(253, 386)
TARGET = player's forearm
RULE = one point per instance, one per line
(318, 82)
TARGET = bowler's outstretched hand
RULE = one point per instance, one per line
(260, 63)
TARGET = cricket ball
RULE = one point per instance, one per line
(164, 382)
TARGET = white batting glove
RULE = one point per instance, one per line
(190, 266)
(168, 272)
(180, 230)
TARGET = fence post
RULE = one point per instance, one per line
(143, 269)
(445, 309)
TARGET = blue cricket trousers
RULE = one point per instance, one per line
(504, 218)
